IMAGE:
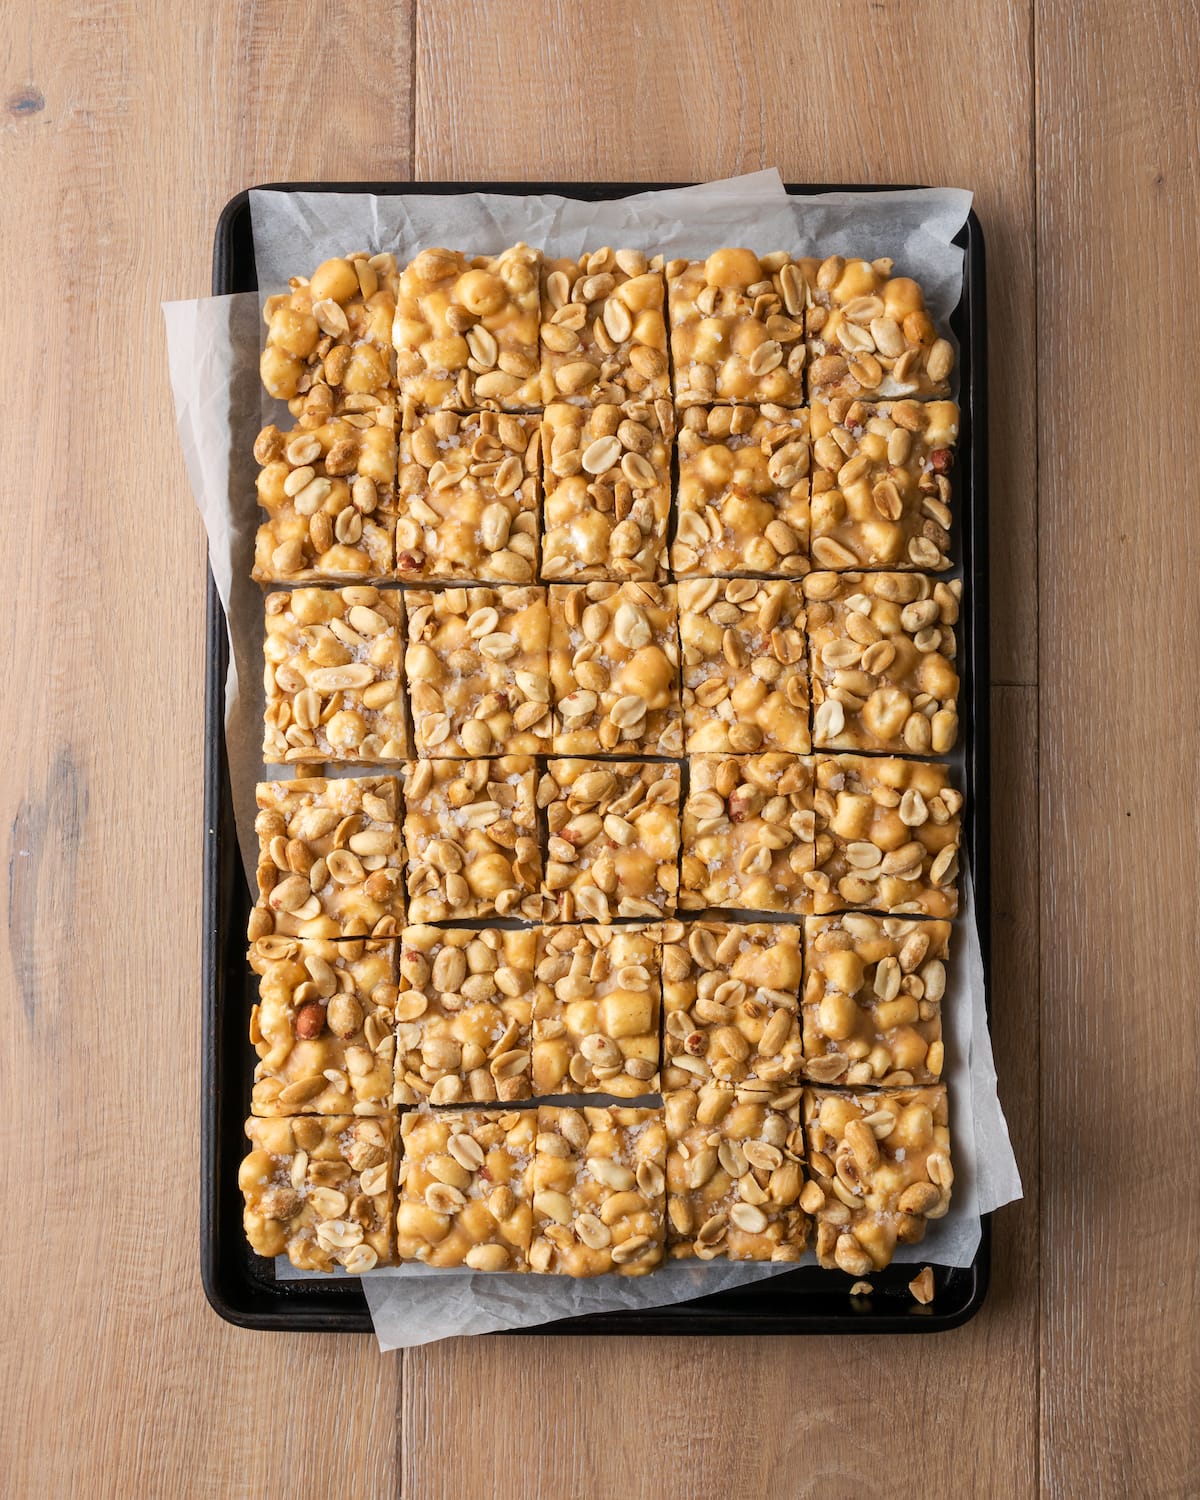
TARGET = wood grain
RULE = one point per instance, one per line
(1118, 131)
(124, 131)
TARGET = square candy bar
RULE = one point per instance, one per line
(603, 334)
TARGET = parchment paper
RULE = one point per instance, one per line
(214, 346)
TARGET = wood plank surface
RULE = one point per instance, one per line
(123, 131)
(1118, 142)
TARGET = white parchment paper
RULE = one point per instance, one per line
(214, 346)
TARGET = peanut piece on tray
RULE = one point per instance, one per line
(328, 343)
(748, 833)
(329, 493)
(466, 330)
(744, 680)
(330, 861)
(731, 1002)
(471, 833)
(734, 1177)
(323, 1026)
(613, 840)
(477, 666)
(879, 1168)
(598, 1191)
(743, 492)
(607, 482)
(869, 333)
(320, 1190)
(595, 1015)
(614, 669)
(887, 833)
(463, 1015)
(873, 991)
(467, 496)
(737, 328)
(332, 677)
(464, 1188)
(881, 484)
(881, 653)
(603, 334)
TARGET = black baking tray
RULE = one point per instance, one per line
(240, 1285)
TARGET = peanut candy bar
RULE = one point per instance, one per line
(744, 680)
(872, 1007)
(463, 1015)
(733, 1177)
(332, 677)
(466, 330)
(467, 496)
(603, 333)
(614, 669)
(319, 1189)
(887, 834)
(329, 494)
(330, 858)
(743, 492)
(881, 654)
(748, 833)
(471, 833)
(880, 484)
(477, 666)
(329, 337)
(598, 1181)
(737, 329)
(731, 1001)
(323, 1027)
(613, 839)
(879, 1168)
(607, 483)
(464, 1189)
(595, 1015)
(869, 333)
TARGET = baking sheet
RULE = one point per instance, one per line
(214, 345)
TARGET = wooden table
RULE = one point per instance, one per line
(126, 127)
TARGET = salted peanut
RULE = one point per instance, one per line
(869, 333)
(330, 858)
(467, 496)
(614, 669)
(607, 481)
(879, 1168)
(613, 843)
(328, 343)
(881, 484)
(463, 1015)
(881, 650)
(887, 833)
(329, 492)
(331, 676)
(604, 338)
(464, 1189)
(744, 681)
(477, 666)
(743, 492)
(734, 1178)
(599, 1178)
(320, 1189)
(466, 331)
(595, 1011)
(731, 1003)
(872, 1006)
(737, 328)
(471, 833)
(748, 833)
(323, 1027)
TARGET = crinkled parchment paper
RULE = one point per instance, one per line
(214, 345)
